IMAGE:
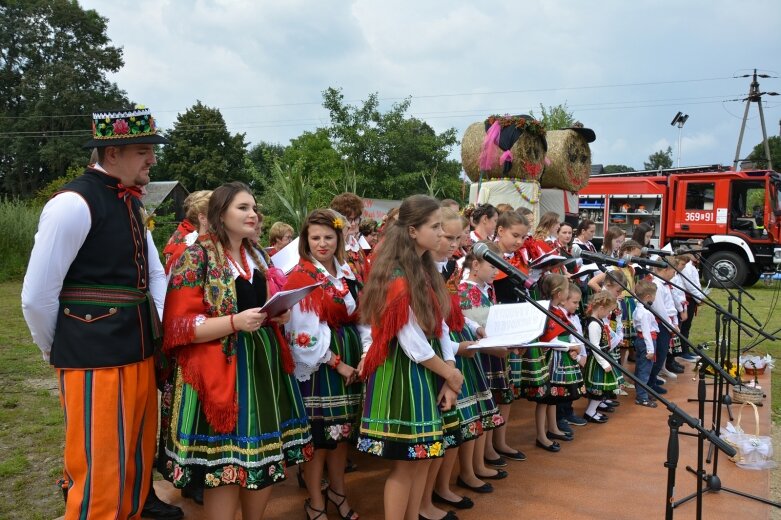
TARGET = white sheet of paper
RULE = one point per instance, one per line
(519, 322)
(287, 257)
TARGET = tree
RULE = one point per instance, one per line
(617, 168)
(202, 154)
(660, 159)
(54, 58)
(757, 155)
(555, 117)
(388, 153)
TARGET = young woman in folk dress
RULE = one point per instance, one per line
(405, 301)
(326, 344)
(229, 357)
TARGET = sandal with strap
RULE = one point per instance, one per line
(308, 507)
(350, 515)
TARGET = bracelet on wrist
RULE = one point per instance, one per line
(233, 327)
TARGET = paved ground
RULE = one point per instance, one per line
(613, 470)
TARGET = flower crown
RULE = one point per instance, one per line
(338, 223)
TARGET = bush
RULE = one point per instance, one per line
(19, 221)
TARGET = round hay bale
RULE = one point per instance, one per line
(528, 156)
(570, 161)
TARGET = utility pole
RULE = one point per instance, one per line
(754, 95)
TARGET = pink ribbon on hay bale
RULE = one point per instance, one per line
(489, 154)
(507, 156)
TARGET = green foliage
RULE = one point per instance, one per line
(202, 154)
(328, 174)
(294, 192)
(262, 157)
(389, 154)
(54, 60)
(555, 117)
(617, 168)
(660, 159)
(45, 193)
(19, 221)
(757, 155)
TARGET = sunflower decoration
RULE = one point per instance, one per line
(338, 223)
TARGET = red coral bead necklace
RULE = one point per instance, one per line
(243, 269)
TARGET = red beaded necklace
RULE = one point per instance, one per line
(243, 270)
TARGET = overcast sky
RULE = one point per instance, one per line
(623, 67)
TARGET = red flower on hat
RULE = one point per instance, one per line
(121, 127)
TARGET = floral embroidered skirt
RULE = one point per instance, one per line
(566, 378)
(535, 375)
(497, 375)
(599, 384)
(272, 430)
(401, 419)
(332, 407)
(477, 410)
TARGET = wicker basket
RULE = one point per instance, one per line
(754, 371)
(736, 458)
(747, 394)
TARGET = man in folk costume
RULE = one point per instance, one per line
(92, 297)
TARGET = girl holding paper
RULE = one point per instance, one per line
(233, 383)
(326, 345)
(511, 231)
(410, 372)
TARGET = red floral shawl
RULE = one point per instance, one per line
(323, 301)
(176, 244)
(202, 283)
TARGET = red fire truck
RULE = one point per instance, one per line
(736, 214)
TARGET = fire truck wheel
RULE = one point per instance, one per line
(729, 268)
(752, 278)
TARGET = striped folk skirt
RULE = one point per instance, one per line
(401, 419)
(334, 408)
(497, 374)
(628, 306)
(566, 378)
(477, 410)
(535, 374)
(272, 430)
(110, 432)
(599, 384)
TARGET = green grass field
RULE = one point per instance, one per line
(31, 427)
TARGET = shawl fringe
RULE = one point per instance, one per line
(395, 314)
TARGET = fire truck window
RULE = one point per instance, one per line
(699, 195)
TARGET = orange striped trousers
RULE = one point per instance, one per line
(110, 439)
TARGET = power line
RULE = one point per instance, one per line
(423, 96)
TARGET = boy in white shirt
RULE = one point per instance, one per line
(647, 331)
(664, 305)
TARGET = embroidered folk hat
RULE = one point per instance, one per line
(124, 127)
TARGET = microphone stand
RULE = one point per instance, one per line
(713, 482)
(677, 418)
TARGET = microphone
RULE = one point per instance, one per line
(664, 252)
(620, 262)
(481, 251)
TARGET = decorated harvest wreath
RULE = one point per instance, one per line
(502, 132)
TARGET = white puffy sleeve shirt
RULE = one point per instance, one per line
(310, 354)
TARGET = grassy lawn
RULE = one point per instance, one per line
(31, 428)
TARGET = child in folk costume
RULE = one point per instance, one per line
(647, 331)
(463, 424)
(601, 382)
(556, 377)
(326, 346)
(511, 230)
(405, 301)
(614, 282)
(233, 384)
(626, 302)
(665, 305)
(476, 297)
(682, 315)
(690, 281)
(482, 218)
(565, 414)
